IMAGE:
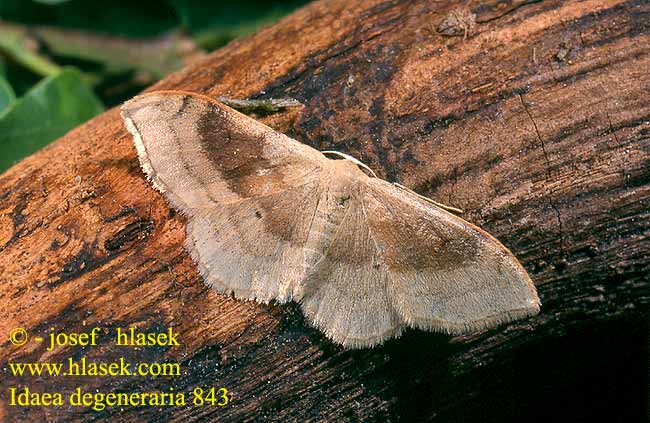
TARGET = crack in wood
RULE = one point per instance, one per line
(548, 176)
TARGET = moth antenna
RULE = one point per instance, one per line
(352, 159)
(427, 199)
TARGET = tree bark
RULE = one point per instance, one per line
(535, 121)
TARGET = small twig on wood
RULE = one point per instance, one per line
(260, 107)
(482, 87)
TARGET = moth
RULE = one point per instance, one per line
(270, 218)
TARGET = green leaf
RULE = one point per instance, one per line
(7, 96)
(46, 112)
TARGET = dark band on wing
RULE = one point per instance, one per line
(433, 245)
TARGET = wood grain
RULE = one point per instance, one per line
(537, 124)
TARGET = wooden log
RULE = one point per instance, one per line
(534, 119)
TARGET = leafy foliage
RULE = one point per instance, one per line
(47, 111)
(63, 61)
